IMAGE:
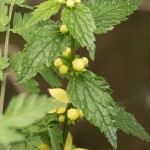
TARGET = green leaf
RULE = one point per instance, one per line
(4, 19)
(88, 93)
(56, 137)
(15, 62)
(81, 25)
(46, 45)
(44, 11)
(108, 13)
(85, 93)
(32, 142)
(31, 86)
(50, 77)
(128, 124)
(8, 136)
(24, 111)
(19, 23)
(18, 146)
(3, 62)
(21, 3)
(101, 82)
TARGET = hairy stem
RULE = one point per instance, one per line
(3, 85)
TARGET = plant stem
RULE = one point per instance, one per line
(72, 48)
(66, 125)
(65, 131)
(3, 86)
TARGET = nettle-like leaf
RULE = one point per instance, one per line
(44, 11)
(22, 112)
(108, 13)
(19, 23)
(4, 19)
(87, 93)
(101, 82)
(31, 142)
(50, 77)
(128, 124)
(46, 45)
(56, 137)
(81, 26)
(31, 86)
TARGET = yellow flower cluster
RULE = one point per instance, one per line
(78, 64)
(72, 114)
(69, 3)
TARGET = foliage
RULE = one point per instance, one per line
(99, 108)
(50, 50)
(3, 64)
(23, 112)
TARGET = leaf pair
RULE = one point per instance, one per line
(91, 94)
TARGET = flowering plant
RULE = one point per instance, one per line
(39, 122)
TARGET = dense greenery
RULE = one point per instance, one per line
(38, 122)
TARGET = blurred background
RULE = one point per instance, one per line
(123, 59)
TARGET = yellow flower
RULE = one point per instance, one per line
(68, 144)
(44, 146)
(59, 95)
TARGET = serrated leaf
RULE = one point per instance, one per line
(101, 82)
(19, 23)
(108, 13)
(32, 142)
(86, 92)
(81, 26)
(4, 19)
(97, 105)
(31, 86)
(24, 111)
(56, 137)
(46, 45)
(128, 124)
(44, 11)
(50, 77)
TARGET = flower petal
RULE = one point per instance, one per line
(59, 94)
(52, 111)
(68, 143)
